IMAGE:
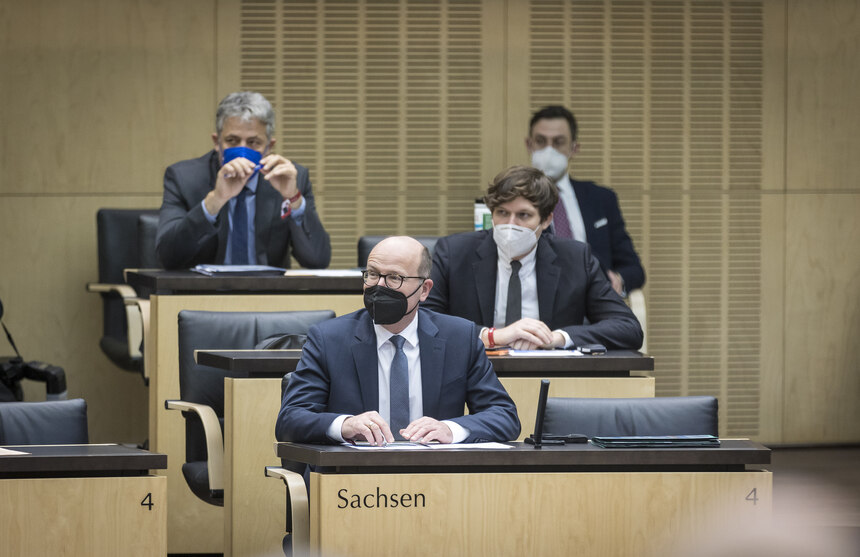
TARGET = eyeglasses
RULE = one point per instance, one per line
(371, 278)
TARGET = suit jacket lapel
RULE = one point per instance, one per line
(586, 207)
(548, 274)
(485, 269)
(432, 357)
(366, 360)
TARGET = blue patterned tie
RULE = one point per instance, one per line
(399, 385)
(239, 234)
(561, 222)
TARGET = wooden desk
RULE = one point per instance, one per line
(252, 400)
(575, 499)
(195, 526)
(82, 500)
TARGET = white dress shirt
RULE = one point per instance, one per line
(528, 280)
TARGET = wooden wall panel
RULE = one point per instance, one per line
(668, 97)
(822, 319)
(96, 99)
(382, 100)
(823, 77)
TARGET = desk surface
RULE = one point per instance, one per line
(275, 363)
(189, 282)
(731, 455)
(80, 459)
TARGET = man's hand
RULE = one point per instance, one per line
(368, 426)
(617, 281)
(526, 334)
(229, 182)
(425, 429)
(281, 173)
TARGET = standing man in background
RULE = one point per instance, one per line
(585, 212)
(240, 203)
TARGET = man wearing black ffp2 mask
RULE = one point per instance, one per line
(395, 371)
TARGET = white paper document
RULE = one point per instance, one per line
(10, 452)
(323, 273)
(544, 353)
(214, 270)
(407, 446)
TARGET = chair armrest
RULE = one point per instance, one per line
(214, 439)
(124, 290)
(137, 320)
(298, 513)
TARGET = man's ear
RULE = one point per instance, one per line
(528, 142)
(545, 224)
(215, 141)
(271, 146)
(425, 289)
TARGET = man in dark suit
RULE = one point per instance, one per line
(528, 289)
(240, 212)
(586, 212)
(393, 370)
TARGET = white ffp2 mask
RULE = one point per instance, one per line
(550, 162)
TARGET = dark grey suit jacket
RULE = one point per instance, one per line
(338, 374)
(185, 238)
(572, 288)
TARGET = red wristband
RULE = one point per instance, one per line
(490, 332)
(287, 206)
(296, 197)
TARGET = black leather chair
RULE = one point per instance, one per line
(686, 415)
(202, 387)
(123, 243)
(54, 422)
(366, 243)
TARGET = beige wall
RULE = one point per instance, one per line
(96, 98)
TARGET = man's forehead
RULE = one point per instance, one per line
(394, 257)
(551, 127)
(235, 125)
(518, 204)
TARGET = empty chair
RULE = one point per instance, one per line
(367, 243)
(54, 422)
(120, 247)
(686, 415)
(202, 387)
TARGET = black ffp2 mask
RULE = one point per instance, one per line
(387, 306)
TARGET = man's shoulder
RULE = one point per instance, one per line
(563, 247)
(465, 239)
(593, 189)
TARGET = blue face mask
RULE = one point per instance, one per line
(243, 152)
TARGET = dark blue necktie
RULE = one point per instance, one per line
(399, 388)
(239, 234)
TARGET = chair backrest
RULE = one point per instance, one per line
(686, 415)
(147, 228)
(367, 243)
(225, 330)
(52, 422)
(119, 248)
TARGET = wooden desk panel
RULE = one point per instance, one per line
(609, 514)
(574, 499)
(82, 500)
